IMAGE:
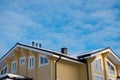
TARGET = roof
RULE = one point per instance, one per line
(112, 56)
(45, 51)
(80, 59)
(87, 54)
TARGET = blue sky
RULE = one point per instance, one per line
(79, 25)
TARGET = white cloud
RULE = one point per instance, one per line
(77, 24)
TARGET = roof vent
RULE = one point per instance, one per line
(40, 45)
(36, 44)
(64, 50)
(33, 43)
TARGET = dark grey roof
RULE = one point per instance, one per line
(87, 54)
(84, 56)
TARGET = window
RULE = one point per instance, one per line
(4, 70)
(110, 68)
(98, 77)
(22, 60)
(31, 62)
(14, 66)
(97, 65)
(43, 61)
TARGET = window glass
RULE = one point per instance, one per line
(14, 66)
(31, 62)
(110, 68)
(43, 60)
(46, 60)
(97, 77)
(97, 65)
(4, 70)
(22, 60)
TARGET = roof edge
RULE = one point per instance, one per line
(92, 52)
(9, 51)
(44, 50)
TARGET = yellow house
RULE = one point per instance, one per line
(36, 63)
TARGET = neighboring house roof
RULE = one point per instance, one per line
(44, 51)
(112, 56)
(13, 76)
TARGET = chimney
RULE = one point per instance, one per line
(64, 50)
(33, 43)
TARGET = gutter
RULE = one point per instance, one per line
(56, 67)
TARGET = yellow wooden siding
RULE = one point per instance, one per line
(118, 70)
(37, 73)
(104, 67)
(67, 70)
(83, 72)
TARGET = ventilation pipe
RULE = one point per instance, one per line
(33, 43)
(40, 45)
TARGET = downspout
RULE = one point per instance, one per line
(56, 67)
(87, 69)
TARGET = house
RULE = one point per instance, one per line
(42, 64)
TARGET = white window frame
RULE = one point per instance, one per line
(95, 70)
(98, 76)
(30, 65)
(4, 69)
(22, 59)
(14, 70)
(112, 65)
(40, 65)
